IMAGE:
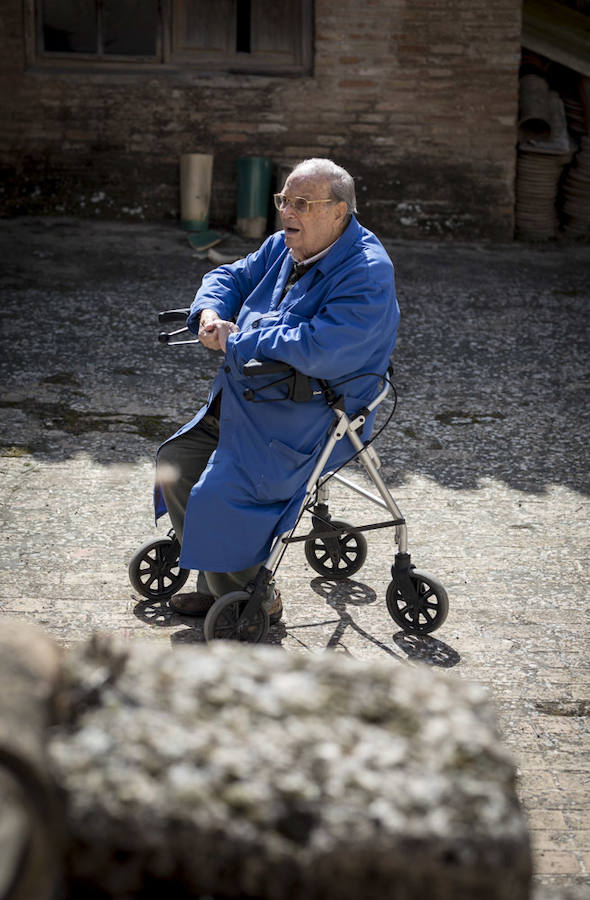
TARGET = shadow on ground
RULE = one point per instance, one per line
(491, 363)
(337, 594)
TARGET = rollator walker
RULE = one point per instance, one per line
(335, 549)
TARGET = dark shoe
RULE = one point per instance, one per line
(194, 603)
(191, 603)
(275, 611)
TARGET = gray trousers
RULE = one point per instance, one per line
(181, 462)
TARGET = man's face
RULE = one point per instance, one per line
(307, 233)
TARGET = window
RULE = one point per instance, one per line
(264, 36)
(100, 29)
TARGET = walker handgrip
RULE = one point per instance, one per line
(266, 367)
(172, 315)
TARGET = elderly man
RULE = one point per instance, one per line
(319, 296)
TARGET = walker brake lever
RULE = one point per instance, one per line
(171, 315)
(164, 338)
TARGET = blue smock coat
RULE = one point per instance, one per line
(337, 322)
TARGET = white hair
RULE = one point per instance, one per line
(341, 183)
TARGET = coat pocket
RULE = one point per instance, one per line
(283, 471)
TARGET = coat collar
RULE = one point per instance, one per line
(332, 259)
(339, 250)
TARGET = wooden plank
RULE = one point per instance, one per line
(200, 25)
(276, 28)
(560, 33)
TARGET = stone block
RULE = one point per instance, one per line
(30, 848)
(238, 771)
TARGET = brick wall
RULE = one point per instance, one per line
(417, 98)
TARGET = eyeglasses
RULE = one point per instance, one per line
(299, 204)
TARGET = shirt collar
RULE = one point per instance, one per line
(312, 259)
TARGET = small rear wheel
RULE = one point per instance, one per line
(224, 620)
(338, 557)
(154, 571)
(425, 615)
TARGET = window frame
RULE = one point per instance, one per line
(63, 59)
(166, 58)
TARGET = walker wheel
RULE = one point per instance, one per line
(154, 571)
(428, 613)
(222, 622)
(338, 557)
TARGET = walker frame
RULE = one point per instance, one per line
(417, 602)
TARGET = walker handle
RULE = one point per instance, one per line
(171, 315)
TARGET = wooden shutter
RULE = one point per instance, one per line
(205, 32)
(203, 29)
(276, 29)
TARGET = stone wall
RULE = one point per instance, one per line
(418, 100)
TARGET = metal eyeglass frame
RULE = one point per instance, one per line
(281, 202)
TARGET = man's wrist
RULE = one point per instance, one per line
(207, 315)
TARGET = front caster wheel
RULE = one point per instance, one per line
(338, 557)
(428, 612)
(223, 621)
(154, 571)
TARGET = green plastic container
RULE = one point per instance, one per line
(254, 181)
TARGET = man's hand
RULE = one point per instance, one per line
(213, 331)
(207, 334)
(224, 329)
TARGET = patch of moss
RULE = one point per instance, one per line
(461, 417)
(61, 378)
(576, 708)
(73, 421)
(15, 451)
(156, 428)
